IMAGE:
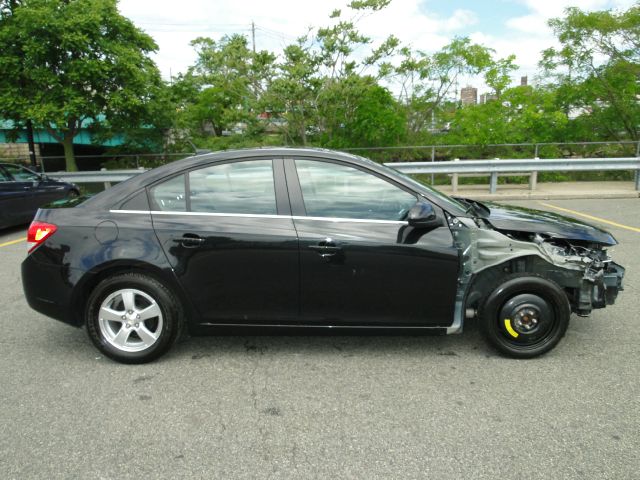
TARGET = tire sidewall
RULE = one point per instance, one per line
(544, 288)
(153, 288)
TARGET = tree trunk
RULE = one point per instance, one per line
(69, 157)
(32, 147)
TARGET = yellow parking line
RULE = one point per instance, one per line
(12, 242)
(591, 217)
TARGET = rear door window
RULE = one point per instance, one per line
(245, 187)
(170, 195)
(238, 187)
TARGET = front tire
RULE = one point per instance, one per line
(133, 318)
(525, 316)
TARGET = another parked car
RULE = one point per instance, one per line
(23, 191)
(305, 237)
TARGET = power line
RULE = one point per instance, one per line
(276, 32)
(194, 24)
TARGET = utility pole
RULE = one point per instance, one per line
(253, 35)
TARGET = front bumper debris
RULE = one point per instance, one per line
(600, 288)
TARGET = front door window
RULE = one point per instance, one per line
(341, 191)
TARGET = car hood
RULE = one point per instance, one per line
(508, 217)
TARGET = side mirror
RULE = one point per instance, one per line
(423, 215)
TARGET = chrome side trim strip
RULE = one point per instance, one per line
(352, 220)
(200, 214)
(146, 212)
(251, 215)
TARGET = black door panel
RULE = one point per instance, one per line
(239, 266)
(367, 271)
(15, 200)
(47, 191)
(232, 273)
(371, 277)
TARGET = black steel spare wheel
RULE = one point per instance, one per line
(525, 315)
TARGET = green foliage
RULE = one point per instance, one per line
(291, 96)
(223, 88)
(597, 68)
(521, 115)
(329, 88)
(498, 74)
(357, 111)
(373, 5)
(65, 63)
(318, 91)
(427, 81)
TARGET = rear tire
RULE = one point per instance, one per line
(133, 318)
(525, 315)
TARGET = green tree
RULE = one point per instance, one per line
(497, 74)
(597, 68)
(427, 81)
(359, 112)
(292, 95)
(225, 86)
(65, 64)
(523, 114)
(317, 86)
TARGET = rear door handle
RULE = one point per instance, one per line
(326, 248)
(189, 240)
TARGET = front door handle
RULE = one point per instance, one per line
(190, 240)
(326, 248)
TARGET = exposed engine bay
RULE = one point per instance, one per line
(582, 268)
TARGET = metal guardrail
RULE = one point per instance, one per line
(520, 166)
(100, 176)
(104, 176)
(493, 168)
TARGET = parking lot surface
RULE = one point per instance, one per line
(326, 406)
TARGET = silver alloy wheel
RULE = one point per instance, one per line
(130, 320)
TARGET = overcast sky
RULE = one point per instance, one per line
(508, 26)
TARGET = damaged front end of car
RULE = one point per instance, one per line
(491, 251)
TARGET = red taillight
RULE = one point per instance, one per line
(38, 232)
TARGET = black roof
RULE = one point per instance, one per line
(121, 191)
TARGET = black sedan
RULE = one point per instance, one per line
(23, 191)
(304, 237)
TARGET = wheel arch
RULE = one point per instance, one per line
(91, 279)
(484, 282)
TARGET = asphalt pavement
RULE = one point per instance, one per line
(326, 406)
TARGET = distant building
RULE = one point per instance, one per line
(487, 97)
(524, 81)
(469, 95)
